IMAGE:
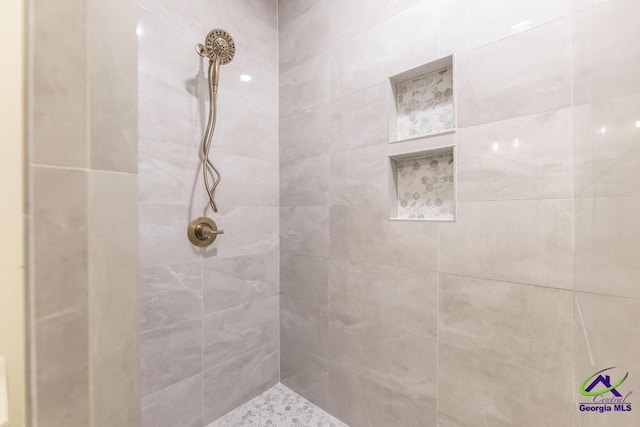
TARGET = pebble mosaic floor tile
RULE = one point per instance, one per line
(278, 407)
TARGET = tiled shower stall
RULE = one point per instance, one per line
(406, 243)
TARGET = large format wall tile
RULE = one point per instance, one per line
(607, 244)
(524, 74)
(606, 335)
(294, 49)
(304, 134)
(304, 325)
(229, 333)
(502, 393)
(606, 152)
(467, 24)
(359, 118)
(404, 363)
(62, 378)
(305, 182)
(605, 58)
(359, 176)
(385, 49)
(112, 69)
(234, 382)
(60, 218)
(527, 326)
(357, 234)
(169, 355)
(113, 310)
(305, 230)
(305, 372)
(304, 277)
(179, 404)
(517, 241)
(305, 85)
(400, 297)
(60, 97)
(522, 158)
(169, 294)
(229, 282)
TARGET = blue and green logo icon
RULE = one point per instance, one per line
(605, 393)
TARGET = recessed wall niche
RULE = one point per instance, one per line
(422, 185)
(422, 101)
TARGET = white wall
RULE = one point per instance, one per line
(12, 295)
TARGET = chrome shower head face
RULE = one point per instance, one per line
(219, 44)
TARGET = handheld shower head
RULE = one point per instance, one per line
(220, 48)
(218, 45)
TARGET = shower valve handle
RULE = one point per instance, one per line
(203, 231)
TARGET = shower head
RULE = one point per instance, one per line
(218, 47)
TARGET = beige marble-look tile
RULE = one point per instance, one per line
(305, 85)
(401, 297)
(305, 373)
(245, 181)
(236, 381)
(252, 24)
(303, 37)
(170, 354)
(359, 176)
(349, 18)
(59, 83)
(305, 134)
(112, 57)
(247, 231)
(528, 241)
(60, 252)
(289, 10)
(404, 363)
(605, 58)
(304, 326)
(521, 75)
(113, 310)
(163, 234)
(62, 370)
(501, 393)
(170, 113)
(466, 24)
(606, 335)
(304, 230)
(169, 294)
(230, 282)
(169, 173)
(229, 333)
(606, 151)
(305, 278)
(357, 233)
(305, 182)
(345, 394)
(359, 118)
(178, 404)
(386, 48)
(527, 326)
(522, 158)
(579, 5)
(607, 243)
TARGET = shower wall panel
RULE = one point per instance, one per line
(500, 315)
(208, 317)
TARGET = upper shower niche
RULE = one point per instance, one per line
(422, 101)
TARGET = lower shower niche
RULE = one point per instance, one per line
(422, 185)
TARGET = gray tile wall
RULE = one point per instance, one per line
(208, 318)
(83, 214)
(497, 318)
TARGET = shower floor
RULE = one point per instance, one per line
(278, 407)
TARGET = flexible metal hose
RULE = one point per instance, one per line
(207, 165)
